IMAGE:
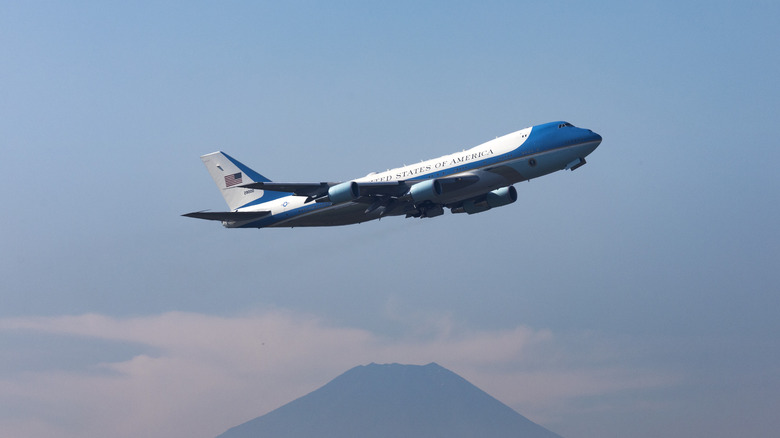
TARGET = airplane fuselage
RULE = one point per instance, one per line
(460, 181)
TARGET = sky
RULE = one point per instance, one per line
(636, 296)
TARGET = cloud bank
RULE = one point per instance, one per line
(188, 374)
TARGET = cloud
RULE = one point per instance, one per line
(197, 375)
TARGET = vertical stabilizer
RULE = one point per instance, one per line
(228, 173)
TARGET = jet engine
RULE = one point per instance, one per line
(344, 192)
(496, 198)
(427, 190)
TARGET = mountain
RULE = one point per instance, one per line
(378, 401)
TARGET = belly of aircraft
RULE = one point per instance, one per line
(345, 214)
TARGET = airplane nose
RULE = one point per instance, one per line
(594, 136)
(593, 141)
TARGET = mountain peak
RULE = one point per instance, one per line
(391, 400)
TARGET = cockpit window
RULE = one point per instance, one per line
(563, 125)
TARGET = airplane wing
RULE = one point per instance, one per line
(299, 189)
(318, 190)
(458, 182)
(229, 216)
(369, 191)
(383, 188)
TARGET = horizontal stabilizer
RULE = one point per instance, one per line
(228, 216)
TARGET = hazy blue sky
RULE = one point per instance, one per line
(636, 296)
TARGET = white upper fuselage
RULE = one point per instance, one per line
(453, 163)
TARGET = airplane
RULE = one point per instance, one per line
(471, 181)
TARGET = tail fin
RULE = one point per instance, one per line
(228, 173)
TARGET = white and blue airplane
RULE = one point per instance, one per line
(471, 181)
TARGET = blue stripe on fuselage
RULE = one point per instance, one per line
(289, 214)
(267, 196)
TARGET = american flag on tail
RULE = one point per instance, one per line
(231, 180)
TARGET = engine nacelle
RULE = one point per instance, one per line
(501, 197)
(344, 192)
(496, 198)
(427, 190)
